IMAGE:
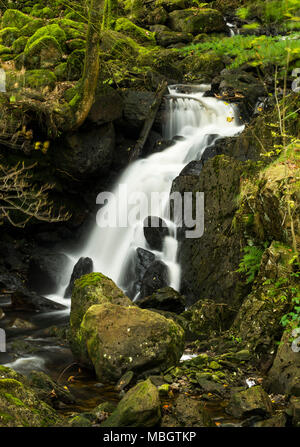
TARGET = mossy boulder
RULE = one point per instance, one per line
(127, 27)
(31, 27)
(5, 50)
(44, 52)
(120, 339)
(201, 67)
(39, 79)
(140, 407)
(19, 44)
(61, 71)
(166, 299)
(9, 35)
(158, 16)
(197, 21)
(166, 38)
(45, 13)
(72, 29)
(76, 44)
(20, 405)
(253, 401)
(15, 18)
(53, 31)
(187, 412)
(90, 289)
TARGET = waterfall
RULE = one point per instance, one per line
(196, 121)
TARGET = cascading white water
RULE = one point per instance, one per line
(198, 121)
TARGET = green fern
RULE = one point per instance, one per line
(251, 262)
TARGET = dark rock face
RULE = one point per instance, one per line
(24, 299)
(136, 108)
(87, 153)
(155, 230)
(166, 299)
(207, 261)
(46, 271)
(82, 267)
(156, 277)
(144, 259)
(107, 107)
(253, 401)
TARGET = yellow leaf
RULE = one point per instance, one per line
(229, 119)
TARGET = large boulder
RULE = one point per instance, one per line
(187, 412)
(140, 407)
(90, 289)
(86, 153)
(166, 299)
(284, 376)
(196, 21)
(83, 267)
(167, 37)
(253, 401)
(136, 107)
(156, 277)
(120, 339)
(46, 270)
(108, 106)
(44, 52)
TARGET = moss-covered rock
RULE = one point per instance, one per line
(9, 35)
(253, 401)
(120, 339)
(53, 31)
(44, 52)
(5, 50)
(127, 27)
(201, 67)
(30, 28)
(166, 38)
(72, 29)
(61, 72)
(20, 405)
(19, 45)
(76, 44)
(197, 21)
(14, 18)
(38, 79)
(90, 289)
(187, 412)
(158, 16)
(140, 407)
(45, 13)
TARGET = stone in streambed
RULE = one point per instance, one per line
(156, 277)
(90, 289)
(82, 267)
(140, 407)
(166, 299)
(46, 270)
(197, 21)
(120, 339)
(253, 401)
(155, 230)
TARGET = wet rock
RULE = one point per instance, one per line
(209, 386)
(140, 407)
(284, 375)
(19, 323)
(87, 152)
(120, 339)
(207, 317)
(279, 420)
(196, 21)
(46, 271)
(144, 259)
(125, 381)
(164, 299)
(24, 299)
(136, 108)
(156, 277)
(82, 267)
(48, 390)
(207, 261)
(155, 230)
(20, 406)
(253, 401)
(108, 107)
(90, 289)
(167, 38)
(188, 412)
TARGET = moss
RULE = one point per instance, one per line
(45, 13)
(40, 78)
(76, 44)
(14, 400)
(72, 29)
(44, 52)
(9, 35)
(127, 27)
(14, 18)
(61, 72)
(5, 50)
(53, 31)
(19, 45)
(75, 64)
(8, 384)
(31, 27)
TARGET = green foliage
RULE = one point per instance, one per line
(256, 51)
(242, 13)
(251, 262)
